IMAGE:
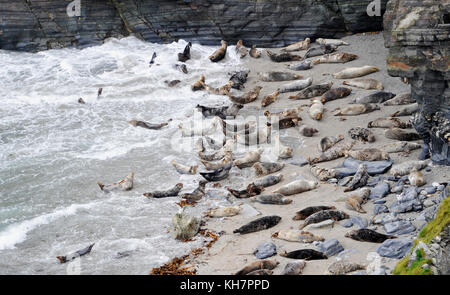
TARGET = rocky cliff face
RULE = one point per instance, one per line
(417, 33)
(33, 25)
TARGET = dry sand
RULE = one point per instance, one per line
(232, 251)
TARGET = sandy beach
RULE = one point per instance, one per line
(233, 251)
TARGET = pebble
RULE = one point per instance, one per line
(428, 203)
(333, 180)
(400, 227)
(331, 247)
(265, 250)
(394, 248)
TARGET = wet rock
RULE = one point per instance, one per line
(265, 250)
(394, 248)
(380, 190)
(400, 227)
(378, 209)
(350, 166)
(184, 226)
(331, 247)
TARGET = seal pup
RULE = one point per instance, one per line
(294, 268)
(218, 164)
(389, 123)
(329, 141)
(369, 154)
(248, 160)
(278, 76)
(308, 211)
(355, 72)
(266, 168)
(316, 110)
(240, 49)
(357, 199)
(301, 66)
(415, 178)
(401, 146)
(79, 253)
(305, 254)
(183, 169)
(246, 97)
(224, 212)
(401, 99)
(320, 216)
(321, 50)
(282, 57)
(218, 174)
(356, 109)
(362, 134)
(335, 93)
(359, 179)
(313, 91)
(332, 153)
(337, 42)
(367, 84)
(255, 53)
(147, 125)
(375, 97)
(220, 53)
(268, 180)
(293, 235)
(197, 194)
(297, 187)
(405, 168)
(406, 111)
(368, 235)
(125, 184)
(259, 224)
(257, 265)
(343, 267)
(199, 85)
(152, 61)
(333, 58)
(323, 174)
(269, 99)
(283, 152)
(239, 78)
(173, 192)
(221, 112)
(295, 86)
(271, 199)
(81, 101)
(186, 54)
(297, 46)
(401, 134)
(251, 191)
(308, 131)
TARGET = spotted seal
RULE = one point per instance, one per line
(172, 192)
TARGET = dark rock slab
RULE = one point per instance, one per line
(331, 247)
(400, 227)
(380, 190)
(265, 250)
(350, 166)
(394, 248)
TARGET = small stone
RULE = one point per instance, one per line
(333, 180)
(265, 250)
(428, 203)
(331, 247)
(381, 201)
(440, 188)
(435, 184)
(429, 189)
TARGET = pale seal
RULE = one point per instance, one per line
(125, 184)
(356, 72)
(220, 53)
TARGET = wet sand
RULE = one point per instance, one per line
(232, 251)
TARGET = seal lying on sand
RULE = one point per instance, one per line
(357, 199)
(349, 73)
(240, 49)
(293, 235)
(248, 160)
(306, 254)
(368, 235)
(296, 85)
(125, 184)
(365, 84)
(283, 57)
(333, 153)
(183, 169)
(316, 110)
(239, 78)
(301, 45)
(147, 125)
(401, 99)
(402, 146)
(257, 265)
(305, 213)
(337, 42)
(302, 66)
(400, 134)
(343, 267)
(282, 151)
(359, 179)
(362, 134)
(357, 109)
(369, 154)
(297, 187)
(269, 99)
(197, 194)
(246, 97)
(251, 191)
(375, 97)
(265, 168)
(329, 141)
(389, 123)
(405, 168)
(218, 174)
(407, 111)
(186, 54)
(332, 58)
(308, 131)
(321, 50)
(220, 53)
(294, 268)
(218, 164)
(255, 53)
(272, 199)
(221, 112)
(258, 224)
(224, 212)
(221, 90)
(260, 136)
(313, 91)
(278, 76)
(79, 253)
(415, 178)
(199, 85)
(268, 180)
(335, 93)
(173, 192)
(324, 215)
